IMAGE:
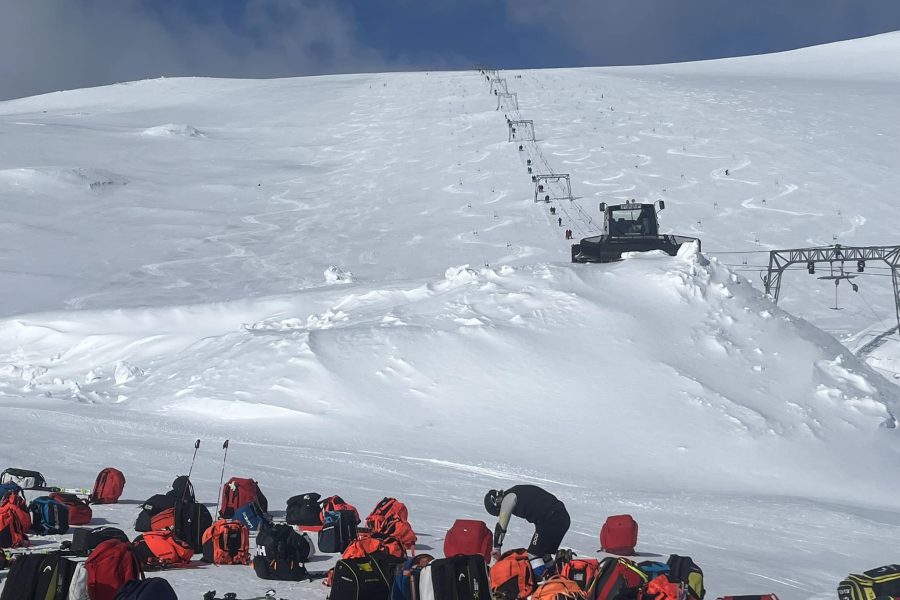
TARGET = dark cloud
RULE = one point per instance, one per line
(47, 45)
(618, 32)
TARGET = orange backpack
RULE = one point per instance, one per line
(582, 571)
(162, 521)
(162, 549)
(661, 588)
(373, 544)
(512, 578)
(387, 509)
(226, 542)
(558, 588)
(399, 530)
(14, 525)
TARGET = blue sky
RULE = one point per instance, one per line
(47, 45)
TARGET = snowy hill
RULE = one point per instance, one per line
(347, 277)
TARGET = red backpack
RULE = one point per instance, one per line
(469, 537)
(387, 509)
(336, 503)
(14, 526)
(239, 492)
(512, 578)
(159, 549)
(618, 576)
(80, 512)
(619, 535)
(109, 487)
(227, 543)
(109, 567)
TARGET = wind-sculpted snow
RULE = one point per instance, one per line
(349, 279)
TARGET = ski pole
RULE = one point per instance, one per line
(196, 447)
(222, 477)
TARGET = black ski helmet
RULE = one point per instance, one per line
(492, 501)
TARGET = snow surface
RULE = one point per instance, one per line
(348, 278)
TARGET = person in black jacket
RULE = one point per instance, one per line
(540, 508)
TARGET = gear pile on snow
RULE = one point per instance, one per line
(378, 561)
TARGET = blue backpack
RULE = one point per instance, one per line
(408, 576)
(653, 569)
(253, 517)
(153, 588)
(48, 517)
(8, 489)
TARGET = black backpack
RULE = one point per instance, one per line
(153, 588)
(44, 576)
(182, 489)
(85, 540)
(456, 577)
(23, 575)
(192, 519)
(280, 554)
(684, 570)
(55, 577)
(338, 531)
(304, 510)
(359, 578)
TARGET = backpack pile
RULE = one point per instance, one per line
(177, 511)
(281, 553)
(614, 577)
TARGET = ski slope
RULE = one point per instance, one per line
(348, 278)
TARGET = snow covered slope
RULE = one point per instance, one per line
(347, 277)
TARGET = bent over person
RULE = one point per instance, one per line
(540, 508)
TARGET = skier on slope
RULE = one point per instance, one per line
(537, 506)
